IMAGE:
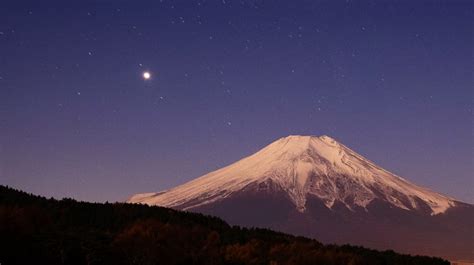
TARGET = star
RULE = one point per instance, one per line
(146, 75)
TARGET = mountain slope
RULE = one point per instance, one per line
(302, 165)
(317, 187)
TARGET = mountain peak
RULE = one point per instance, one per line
(303, 166)
(305, 138)
(327, 138)
(296, 144)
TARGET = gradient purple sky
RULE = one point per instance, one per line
(390, 79)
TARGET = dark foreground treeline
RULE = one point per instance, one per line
(36, 230)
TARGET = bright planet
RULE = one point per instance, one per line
(146, 75)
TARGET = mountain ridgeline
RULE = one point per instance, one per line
(36, 230)
(319, 188)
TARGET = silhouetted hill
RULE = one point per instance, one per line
(36, 230)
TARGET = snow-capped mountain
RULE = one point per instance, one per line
(302, 166)
(317, 187)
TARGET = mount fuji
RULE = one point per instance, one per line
(317, 187)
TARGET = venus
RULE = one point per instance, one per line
(146, 75)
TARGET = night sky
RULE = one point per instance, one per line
(390, 79)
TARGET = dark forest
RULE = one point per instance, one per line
(37, 230)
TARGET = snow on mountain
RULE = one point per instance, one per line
(304, 166)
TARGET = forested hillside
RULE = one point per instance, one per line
(36, 230)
